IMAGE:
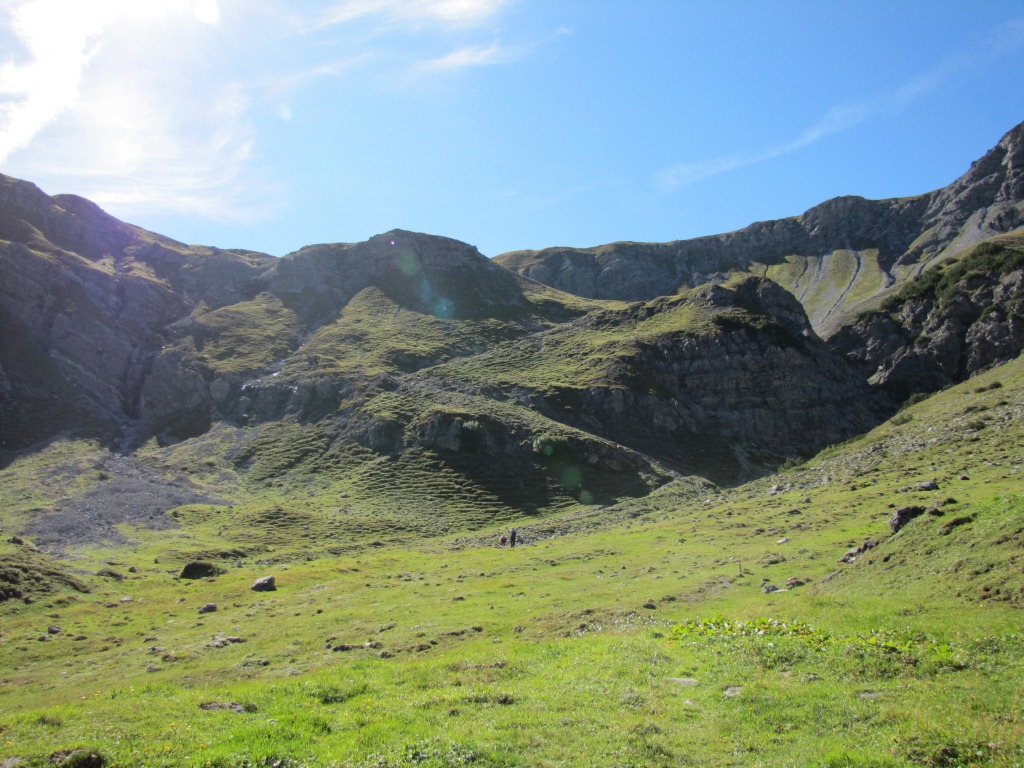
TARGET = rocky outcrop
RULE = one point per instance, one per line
(85, 306)
(945, 326)
(434, 275)
(898, 236)
(728, 403)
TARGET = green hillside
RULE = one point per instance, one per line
(832, 288)
(635, 634)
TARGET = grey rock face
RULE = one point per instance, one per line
(86, 302)
(725, 405)
(927, 342)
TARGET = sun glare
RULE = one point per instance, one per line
(206, 11)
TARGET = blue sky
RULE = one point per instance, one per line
(273, 124)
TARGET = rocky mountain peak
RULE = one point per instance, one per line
(437, 275)
(69, 222)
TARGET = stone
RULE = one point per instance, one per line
(690, 681)
(264, 584)
(79, 758)
(904, 515)
(54, 630)
(198, 569)
(208, 608)
(229, 705)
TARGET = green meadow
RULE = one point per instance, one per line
(644, 633)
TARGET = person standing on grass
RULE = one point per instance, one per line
(512, 538)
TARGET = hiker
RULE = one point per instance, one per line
(503, 542)
(512, 538)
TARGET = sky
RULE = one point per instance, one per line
(508, 124)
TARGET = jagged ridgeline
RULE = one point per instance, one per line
(837, 258)
(386, 380)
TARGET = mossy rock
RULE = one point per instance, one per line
(198, 569)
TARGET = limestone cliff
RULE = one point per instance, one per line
(945, 325)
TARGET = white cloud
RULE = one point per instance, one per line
(278, 84)
(130, 150)
(456, 13)
(103, 107)
(46, 81)
(471, 56)
(839, 118)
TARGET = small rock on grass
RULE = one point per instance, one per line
(200, 570)
(79, 758)
(231, 705)
(904, 515)
(264, 584)
(683, 680)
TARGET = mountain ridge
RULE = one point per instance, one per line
(898, 237)
(416, 352)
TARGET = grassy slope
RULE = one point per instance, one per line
(246, 336)
(581, 354)
(374, 334)
(830, 287)
(561, 652)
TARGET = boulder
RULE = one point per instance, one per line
(904, 515)
(264, 584)
(208, 608)
(200, 570)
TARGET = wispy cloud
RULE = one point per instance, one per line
(123, 148)
(46, 81)
(472, 56)
(839, 118)
(455, 13)
(277, 84)
(1005, 40)
(87, 109)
